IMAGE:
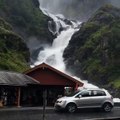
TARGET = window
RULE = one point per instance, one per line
(98, 93)
(86, 93)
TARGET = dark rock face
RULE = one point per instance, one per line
(95, 48)
(106, 15)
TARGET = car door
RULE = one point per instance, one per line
(84, 99)
(98, 98)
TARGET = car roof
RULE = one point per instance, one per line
(93, 89)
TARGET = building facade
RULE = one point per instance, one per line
(29, 88)
(52, 81)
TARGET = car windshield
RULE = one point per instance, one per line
(73, 93)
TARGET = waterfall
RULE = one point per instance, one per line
(52, 55)
(63, 29)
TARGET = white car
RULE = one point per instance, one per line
(86, 98)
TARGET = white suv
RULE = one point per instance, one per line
(86, 98)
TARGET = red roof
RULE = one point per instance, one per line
(44, 65)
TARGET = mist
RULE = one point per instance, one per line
(75, 9)
(115, 3)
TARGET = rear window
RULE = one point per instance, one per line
(98, 93)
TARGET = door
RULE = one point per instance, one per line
(84, 100)
(98, 97)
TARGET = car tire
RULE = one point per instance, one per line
(71, 108)
(107, 107)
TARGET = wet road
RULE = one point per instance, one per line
(36, 114)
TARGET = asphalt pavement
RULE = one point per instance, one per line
(36, 113)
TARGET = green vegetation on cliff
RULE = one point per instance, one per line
(29, 22)
(96, 48)
(26, 18)
(14, 54)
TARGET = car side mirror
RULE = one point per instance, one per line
(79, 96)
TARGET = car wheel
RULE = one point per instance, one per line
(71, 108)
(107, 107)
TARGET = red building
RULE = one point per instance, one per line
(51, 80)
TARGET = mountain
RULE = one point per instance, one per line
(26, 18)
(28, 21)
(95, 49)
(14, 54)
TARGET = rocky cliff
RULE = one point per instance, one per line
(28, 21)
(95, 49)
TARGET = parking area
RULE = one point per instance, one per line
(36, 113)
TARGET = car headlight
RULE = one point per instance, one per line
(61, 101)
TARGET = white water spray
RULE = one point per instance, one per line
(53, 55)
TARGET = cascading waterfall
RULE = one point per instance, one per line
(63, 29)
(52, 55)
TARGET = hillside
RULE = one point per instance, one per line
(95, 49)
(14, 54)
(28, 21)
(26, 18)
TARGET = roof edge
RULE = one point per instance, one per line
(44, 65)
